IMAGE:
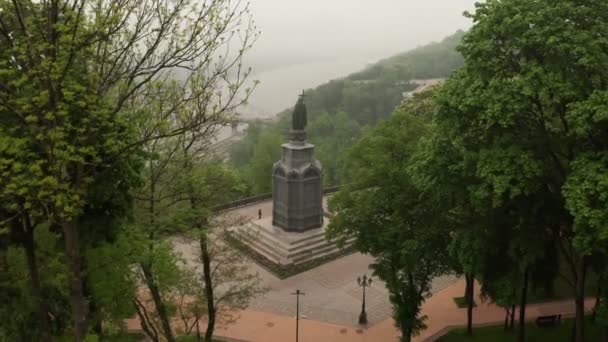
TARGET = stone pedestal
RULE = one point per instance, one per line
(283, 247)
(297, 188)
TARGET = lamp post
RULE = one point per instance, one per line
(298, 293)
(363, 282)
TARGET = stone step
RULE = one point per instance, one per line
(266, 249)
(277, 251)
(296, 250)
(272, 235)
(266, 253)
(288, 247)
(318, 252)
(311, 247)
(316, 256)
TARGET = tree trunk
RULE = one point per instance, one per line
(77, 300)
(512, 324)
(145, 322)
(470, 279)
(146, 267)
(32, 264)
(522, 309)
(96, 324)
(507, 313)
(161, 309)
(206, 259)
(579, 300)
(406, 333)
(598, 296)
(93, 310)
(198, 331)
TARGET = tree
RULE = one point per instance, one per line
(20, 301)
(266, 152)
(227, 284)
(112, 287)
(332, 135)
(466, 249)
(391, 219)
(73, 79)
(183, 182)
(444, 172)
(529, 68)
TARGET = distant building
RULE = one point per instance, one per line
(422, 85)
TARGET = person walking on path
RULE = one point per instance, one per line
(259, 214)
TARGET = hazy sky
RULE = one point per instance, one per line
(305, 43)
(304, 30)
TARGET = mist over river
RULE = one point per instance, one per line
(306, 43)
(278, 88)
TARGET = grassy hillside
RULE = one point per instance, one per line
(339, 111)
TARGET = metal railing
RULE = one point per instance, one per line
(260, 198)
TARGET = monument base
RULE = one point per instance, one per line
(282, 247)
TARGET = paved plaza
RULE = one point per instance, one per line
(332, 303)
(332, 294)
(259, 326)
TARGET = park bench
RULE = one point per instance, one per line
(548, 321)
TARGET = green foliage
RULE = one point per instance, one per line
(466, 249)
(560, 333)
(113, 289)
(83, 86)
(16, 294)
(241, 151)
(332, 136)
(526, 116)
(390, 218)
(434, 60)
(586, 192)
(266, 152)
(461, 302)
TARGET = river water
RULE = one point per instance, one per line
(278, 88)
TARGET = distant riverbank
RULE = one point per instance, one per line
(279, 88)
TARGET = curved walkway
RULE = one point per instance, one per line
(257, 326)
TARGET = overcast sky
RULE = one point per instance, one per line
(305, 43)
(304, 30)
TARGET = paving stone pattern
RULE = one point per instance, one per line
(332, 294)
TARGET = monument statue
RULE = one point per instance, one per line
(297, 134)
(297, 186)
(295, 233)
(298, 118)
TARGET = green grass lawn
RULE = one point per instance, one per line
(126, 338)
(193, 339)
(135, 337)
(462, 303)
(560, 333)
(561, 287)
(563, 290)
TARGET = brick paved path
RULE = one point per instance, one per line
(257, 326)
(333, 301)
